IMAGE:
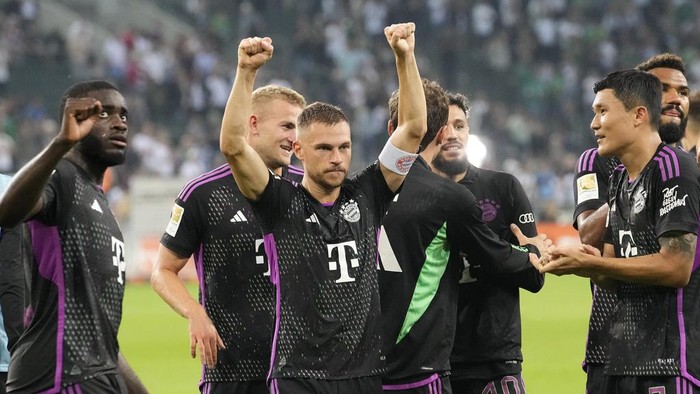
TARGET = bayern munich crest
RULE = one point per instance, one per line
(489, 209)
(350, 211)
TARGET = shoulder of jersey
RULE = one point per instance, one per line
(220, 173)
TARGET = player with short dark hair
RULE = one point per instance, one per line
(487, 355)
(212, 221)
(321, 235)
(76, 278)
(650, 240)
(591, 178)
(429, 223)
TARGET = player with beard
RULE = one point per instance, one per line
(433, 227)
(649, 244)
(321, 235)
(591, 178)
(76, 276)
(233, 326)
(487, 355)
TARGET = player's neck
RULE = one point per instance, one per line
(689, 140)
(96, 171)
(322, 194)
(636, 158)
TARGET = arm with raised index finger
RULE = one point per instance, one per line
(412, 111)
(248, 168)
(22, 198)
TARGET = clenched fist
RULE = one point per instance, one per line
(253, 52)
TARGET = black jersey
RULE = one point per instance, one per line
(650, 333)
(76, 284)
(212, 221)
(488, 340)
(323, 260)
(591, 184)
(428, 223)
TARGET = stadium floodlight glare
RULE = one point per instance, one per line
(476, 150)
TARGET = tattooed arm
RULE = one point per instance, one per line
(670, 267)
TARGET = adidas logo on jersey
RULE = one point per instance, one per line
(239, 218)
(96, 206)
(312, 218)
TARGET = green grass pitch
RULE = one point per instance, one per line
(154, 339)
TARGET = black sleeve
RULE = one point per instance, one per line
(591, 181)
(529, 278)
(475, 239)
(12, 283)
(372, 182)
(184, 233)
(273, 202)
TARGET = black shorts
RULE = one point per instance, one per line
(368, 384)
(650, 385)
(595, 378)
(102, 384)
(506, 384)
(433, 384)
(247, 387)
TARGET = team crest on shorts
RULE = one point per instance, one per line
(350, 211)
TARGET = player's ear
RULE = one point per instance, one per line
(440, 137)
(296, 147)
(253, 124)
(641, 115)
(389, 127)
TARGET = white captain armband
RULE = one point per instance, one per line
(396, 160)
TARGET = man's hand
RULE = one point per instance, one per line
(540, 241)
(203, 335)
(401, 38)
(253, 52)
(570, 259)
(79, 115)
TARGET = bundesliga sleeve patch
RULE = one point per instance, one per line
(175, 218)
(587, 188)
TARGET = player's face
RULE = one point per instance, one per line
(106, 143)
(326, 151)
(277, 130)
(452, 157)
(612, 124)
(675, 103)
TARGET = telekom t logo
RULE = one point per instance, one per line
(342, 261)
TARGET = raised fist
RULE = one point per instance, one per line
(401, 38)
(253, 52)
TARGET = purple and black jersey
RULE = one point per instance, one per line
(488, 340)
(429, 223)
(591, 184)
(323, 261)
(76, 284)
(213, 222)
(651, 334)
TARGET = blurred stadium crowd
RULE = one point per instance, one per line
(526, 65)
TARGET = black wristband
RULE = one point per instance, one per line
(533, 249)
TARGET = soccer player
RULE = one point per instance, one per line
(321, 235)
(212, 220)
(593, 172)
(487, 355)
(429, 222)
(649, 244)
(76, 278)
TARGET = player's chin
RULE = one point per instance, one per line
(114, 157)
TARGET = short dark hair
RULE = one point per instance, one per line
(319, 112)
(459, 100)
(635, 88)
(438, 108)
(663, 60)
(81, 89)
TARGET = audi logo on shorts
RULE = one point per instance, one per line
(527, 218)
